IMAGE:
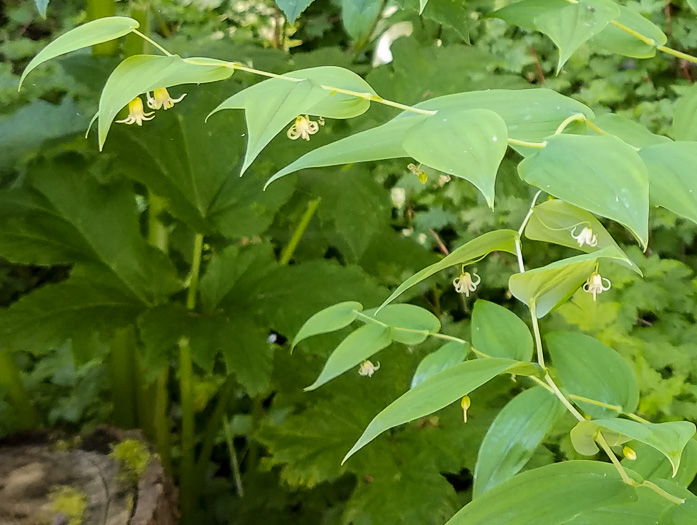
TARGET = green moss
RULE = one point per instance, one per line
(133, 457)
(70, 502)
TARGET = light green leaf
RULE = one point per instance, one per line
(498, 332)
(601, 174)
(683, 514)
(446, 356)
(548, 287)
(529, 114)
(692, 4)
(329, 320)
(501, 240)
(513, 437)
(552, 494)
(359, 17)
(572, 25)
(469, 144)
(422, 5)
(41, 5)
(589, 369)
(673, 184)
(524, 13)
(352, 351)
(617, 40)
(437, 392)
(293, 8)
(628, 130)
(653, 465)
(403, 318)
(89, 34)
(668, 438)
(559, 222)
(645, 511)
(142, 73)
(685, 116)
(271, 105)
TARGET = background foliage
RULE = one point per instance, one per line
(75, 232)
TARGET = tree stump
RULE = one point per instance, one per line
(41, 483)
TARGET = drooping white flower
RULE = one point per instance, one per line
(465, 283)
(161, 99)
(596, 284)
(304, 127)
(367, 368)
(585, 237)
(136, 113)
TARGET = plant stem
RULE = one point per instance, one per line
(161, 422)
(186, 373)
(289, 250)
(616, 408)
(11, 381)
(536, 145)
(569, 120)
(212, 428)
(101, 9)
(234, 463)
(134, 43)
(123, 374)
(679, 54)
(151, 41)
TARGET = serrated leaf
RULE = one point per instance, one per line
(142, 73)
(529, 114)
(271, 105)
(671, 175)
(193, 166)
(293, 8)
(589, 369)
(438, 392)
(546, 288)
(356, 348)
(668, 438)
(499, 240)
(89, 34)
(559, 222)
(446, 356)
(601, 174)
(498, 332)
(652, 465)
(617, 40)
(556, 492)
(685, 116)
(513, 437)
(410, 324)
(469, 144)
(330, 319)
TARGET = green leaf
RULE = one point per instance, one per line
(628, 130)
(142, 73)
(89, 34)
(601, 174)
(685, 116)
(619, 41)
(546, 288)
(469, 144)
(529, 114)
(559, 222)
(271, 105)
(70, 218)
(359, 17)
(572, 25)
(652, 465)
(293, 8)
(513, 437)
(330, 319)
(524, 13)
(437, 392)
(404, 318)
(683, 514)
(589, 369)
(671, 176)
(446, 356)
(42, 5)
(668, 438)
(498, 332)
(645, 511)
(90, 299)
(552, 494)
(352, 351)
(422, 5)
(193, 166)
(501, 240)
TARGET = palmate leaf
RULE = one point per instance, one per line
(192, 166)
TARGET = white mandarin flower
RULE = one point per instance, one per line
(304, 127)
(399, 197)
(136, 113)
(585, 237)
(161, 99)
(465, 284)
(596, 284)
(367, 368)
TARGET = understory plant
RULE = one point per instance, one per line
(591, 181)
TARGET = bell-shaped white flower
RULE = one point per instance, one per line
(161, 99)
(466, 283)
(585, 237)
(596, 284)
(304, 127)
(367, 368)
(136, 113)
